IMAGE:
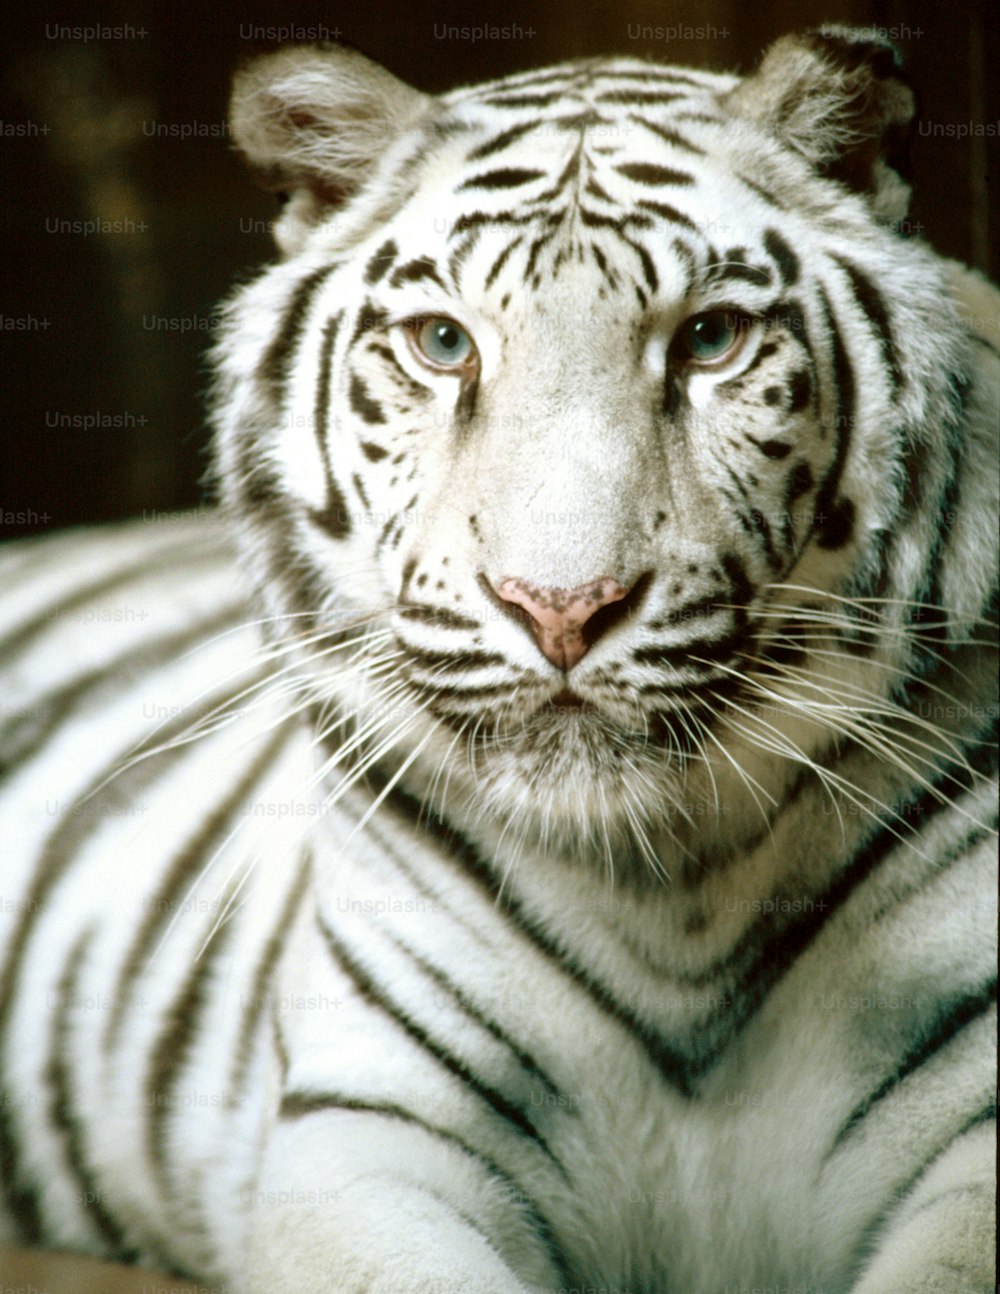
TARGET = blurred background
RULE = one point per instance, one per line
(127, 217)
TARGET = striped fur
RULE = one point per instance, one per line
(350, 943)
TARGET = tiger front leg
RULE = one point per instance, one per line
(355, 1202)
(942, 1238)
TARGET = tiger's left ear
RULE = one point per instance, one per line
(313, 121)
(836, 95)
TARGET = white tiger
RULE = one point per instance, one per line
(576, 871)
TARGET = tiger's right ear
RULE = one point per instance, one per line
(313, 121)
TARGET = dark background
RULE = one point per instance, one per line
(104, 333)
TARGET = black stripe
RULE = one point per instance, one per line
(666, 212)
(334, 518)
(761, 192)
(638, 99)
(172, 1045)
(666, 133)
(755, 524)
(696, 652)
(362, 403)
(872, 303)
(799, 390)
(374, 994)
(770, 448)
(56, 857)
(381, 263)
(274, 368)
(359, 489)
(23, 637)
(728, 269)
(438, 691)
(783, 256)
(874, 1230)
(952, 1019)
(525, 100)
(501, 141)
(657, 76)
(374, 453)
(452, 660)
(258, 995)
(500, 261)
(414, 271)
(26, 732)
(505, 177)
(474, 220)
(63, 1112)
(829, 519)
(438, 977)
(698, 609)
(469, 863)
(188, 863)
(648, 173)
(768, 949)
(297, 1105)
(441, 616)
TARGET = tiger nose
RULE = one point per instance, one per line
(558, 615)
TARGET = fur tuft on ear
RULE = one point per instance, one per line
(313, 120)
(836, 95)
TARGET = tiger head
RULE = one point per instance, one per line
(589, 444)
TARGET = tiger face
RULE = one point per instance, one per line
(584, 427)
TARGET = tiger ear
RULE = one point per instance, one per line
(836, 95)
(313, 121)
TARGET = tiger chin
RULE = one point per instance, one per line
(539, 834)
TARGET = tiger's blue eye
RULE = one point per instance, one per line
(709, 337)
(443, 343)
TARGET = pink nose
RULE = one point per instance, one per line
(558, 615)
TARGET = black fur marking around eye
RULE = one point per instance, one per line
(765, 351)
(362, 403)
(783, 256)
(374, 453)
(381, 262)
(674, 395)
(465, 406)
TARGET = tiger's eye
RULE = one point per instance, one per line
(710, 337)
(443, 343)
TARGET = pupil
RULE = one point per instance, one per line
(710, 332)
(447, 337)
